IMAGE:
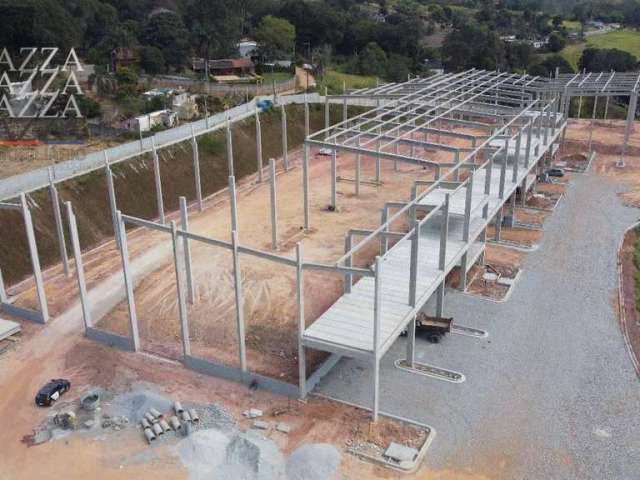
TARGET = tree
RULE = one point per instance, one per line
(276, 38)
(556, 42)
(372, 60)
(166, 32)
(556, 21)
(215, 26)
(470, 45)
(518, 55)
(604, 60)
(548, 66)
(152, 60)
(398, 68)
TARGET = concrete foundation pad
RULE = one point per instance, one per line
(8, 328)
(400, 453)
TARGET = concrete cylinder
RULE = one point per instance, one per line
(155, 413)
(150, 417)
(177, 406)
(194, 415)
(175, 423)
(145, 423)
(157, 429)
(165, 426)
(186, 417)
(149, 435)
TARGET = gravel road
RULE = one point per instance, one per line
(551, 393)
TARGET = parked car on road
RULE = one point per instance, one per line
(52, 391)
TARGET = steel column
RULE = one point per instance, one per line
(35, 259)
(196, 171)
(128, 284)
(186, 246)
(234, 203)
(237, 278)
(305, 185)
(158, 181)
(258, 147)
(229, 150)
(302, 361)
(182, 304)
(285, 147)
(274, 204)
(77, 257)
(57, 215)
(377, 304)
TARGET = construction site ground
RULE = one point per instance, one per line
(553, 367)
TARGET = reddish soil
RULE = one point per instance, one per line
(629, 316)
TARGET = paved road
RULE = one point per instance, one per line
(551, 393)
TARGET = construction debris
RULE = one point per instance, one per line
(8, 328)
(283, 427)
(90, 402)
(400, 453)
(65, 420)
(261, 425)
(252, 413)
(116, 423)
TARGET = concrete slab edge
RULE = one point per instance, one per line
(321, 371)
(487, 299)
(109, 339)
(458, 329)
(24, 313)
(215, 369)
(398, 365)
(422, 451)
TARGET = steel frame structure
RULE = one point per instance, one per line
(505, 127)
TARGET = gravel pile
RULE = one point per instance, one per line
(216, 416)
(202, 453)
(137, 402)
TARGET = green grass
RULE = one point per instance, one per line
(626, 40)
(572, 25)
(333, 80)
(278, 77)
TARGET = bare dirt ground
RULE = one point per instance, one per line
(498, 260)
(124, 454)
(21, 159)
